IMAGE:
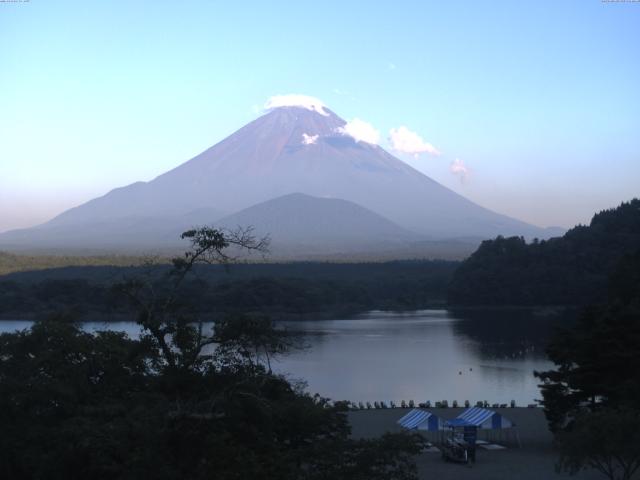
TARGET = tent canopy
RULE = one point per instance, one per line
(421, 420)
(481, 418)
(459, 422)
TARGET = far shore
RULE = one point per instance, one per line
(97, 316)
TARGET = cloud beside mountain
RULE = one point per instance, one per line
(459, 169)
(404, 140)
(361, 131)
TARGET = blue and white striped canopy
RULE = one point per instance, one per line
(481, 418)
(421, 420)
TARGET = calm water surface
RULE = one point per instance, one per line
(423, 355)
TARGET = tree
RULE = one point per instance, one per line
(607, 440)
(389, 458)
(165, 316)
(176, 403)
(568, 270)
(67, 397)
(592, 398)
(247, 339)
(598, 360)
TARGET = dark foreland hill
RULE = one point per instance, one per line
(568, 270)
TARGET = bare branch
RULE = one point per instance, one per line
(157, 308)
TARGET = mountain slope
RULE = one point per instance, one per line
(99, 234)
(287, 150)
(299, 222)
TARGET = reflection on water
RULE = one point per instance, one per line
(508, 333)
(424, 355)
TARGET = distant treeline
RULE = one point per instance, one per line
(295, 290)
(572, 270)
(11, 262)
(569, 270)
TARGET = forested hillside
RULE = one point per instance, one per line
(568, 270)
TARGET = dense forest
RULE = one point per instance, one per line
(568, 270)
(74, 405)
(279, 290)
(593, 393)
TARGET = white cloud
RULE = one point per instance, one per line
(458, 168)
(391, 66)
(360, 131)
(405, 141)
(295, 100)
(309, 139)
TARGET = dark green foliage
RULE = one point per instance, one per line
(597, 363)
(598, 360)
(391, 457)
(570, 270)
(247, 340)
(179, 403)
(624, 286)
(75, 406)
(280, 290)
(592, 398)
(607, 440)
(66, 398)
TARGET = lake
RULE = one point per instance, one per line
(422, 355)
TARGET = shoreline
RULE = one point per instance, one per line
(537, 310)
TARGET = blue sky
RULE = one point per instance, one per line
(539, 101)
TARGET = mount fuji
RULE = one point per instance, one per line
(294, 148)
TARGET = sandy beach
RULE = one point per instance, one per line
(534, 460)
